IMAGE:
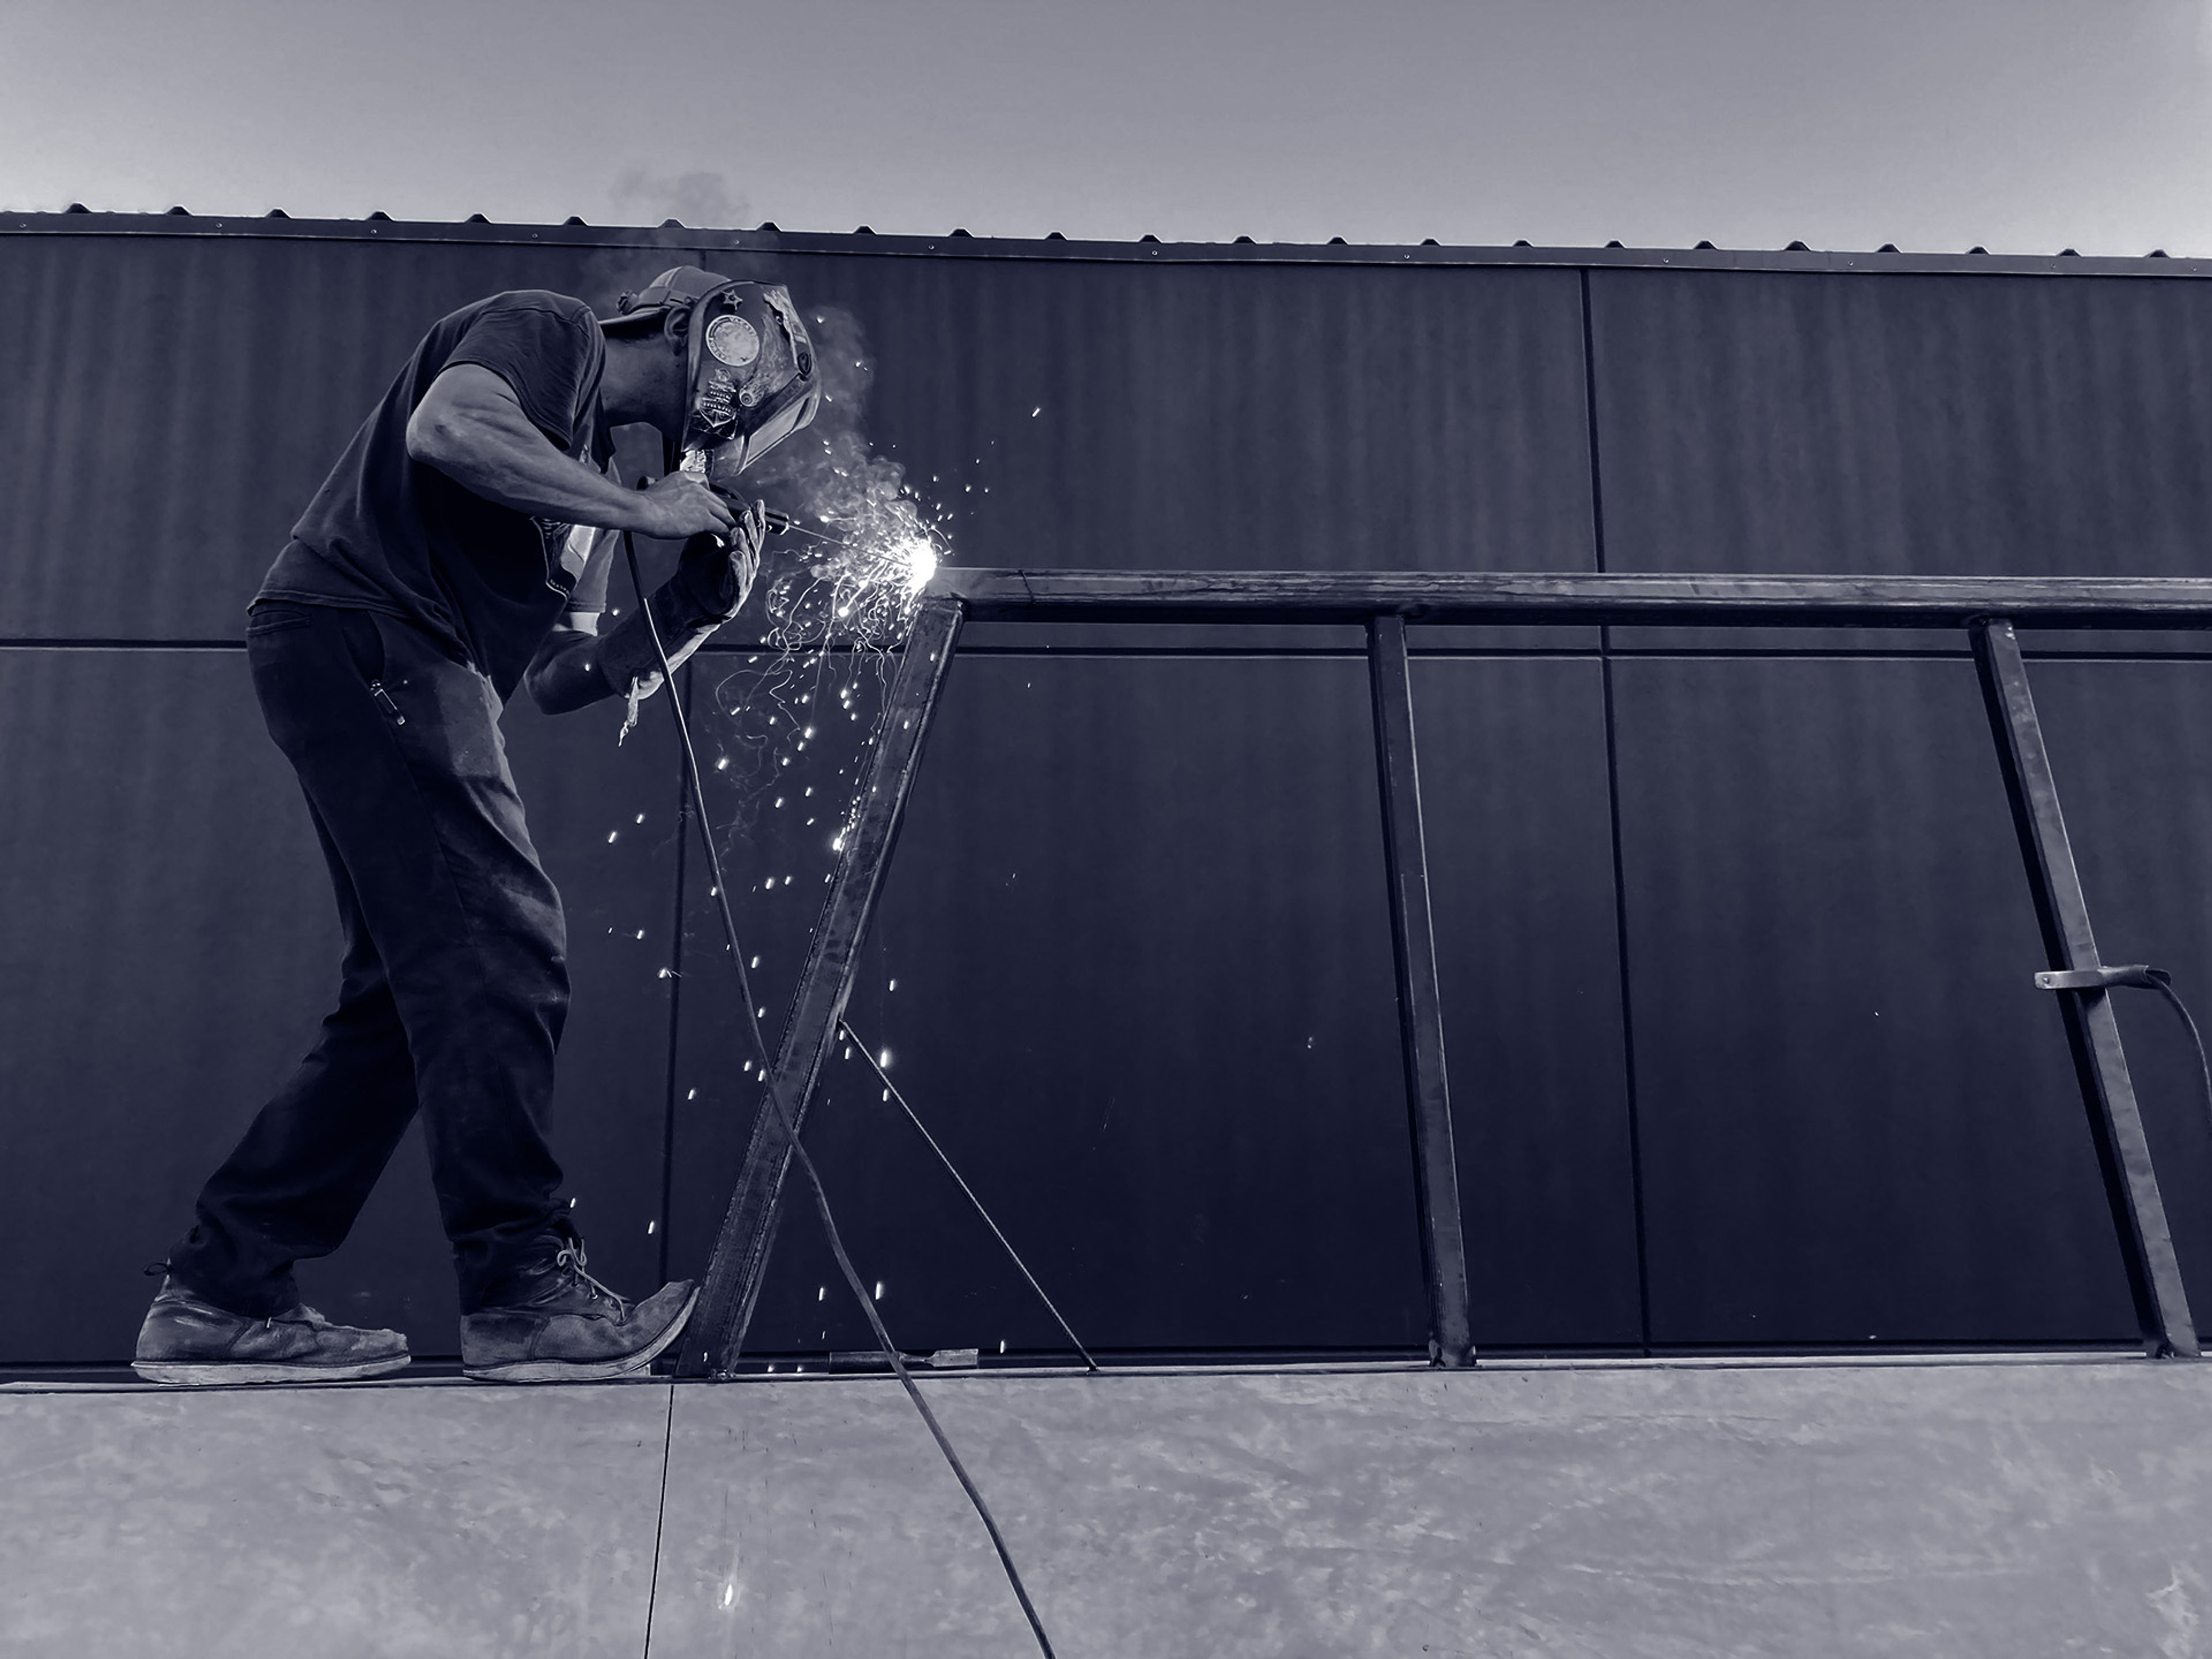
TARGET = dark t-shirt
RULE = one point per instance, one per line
(387, 532)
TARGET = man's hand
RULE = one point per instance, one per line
(472, 429)
(711, 580)
(679, 505)
(717, 573)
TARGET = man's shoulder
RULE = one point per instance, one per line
(565, 307)
(526, 332)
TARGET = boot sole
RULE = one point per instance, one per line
(587, 1370)
(213, 1373)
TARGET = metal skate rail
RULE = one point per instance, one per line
(1989, 610)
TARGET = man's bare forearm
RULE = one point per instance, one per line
(498, 455)
(565, 675)
(472, 429)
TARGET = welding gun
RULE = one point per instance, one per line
(683, 610)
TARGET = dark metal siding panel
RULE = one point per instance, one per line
(171, 944)
(156, 979)
(1514, 795)
(1191, 418)
(1954, 425)
(2126, 744)
(1143, 970)
(584, 794)
(1858, 1116)
(1194, 417)
(1900, 424)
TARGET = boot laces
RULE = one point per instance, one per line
(570, 1257)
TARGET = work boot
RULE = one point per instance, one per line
(188, 1339)
(554, 1322)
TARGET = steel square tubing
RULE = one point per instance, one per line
(1420, 1000)
(1254, 596)
(2092, 1032)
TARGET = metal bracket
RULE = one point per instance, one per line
(2138, 973)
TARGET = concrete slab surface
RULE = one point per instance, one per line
(1951, 1510)
(1610, 1512)
(330, 1521)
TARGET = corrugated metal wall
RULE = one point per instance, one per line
(1735, 942)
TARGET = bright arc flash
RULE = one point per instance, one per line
(921, 563)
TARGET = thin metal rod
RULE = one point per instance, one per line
(805, 1161)
(690, 759)
(892, 1089)
(906, 1381)
(739, 1264)
(1420, 999)
(2093, 1031)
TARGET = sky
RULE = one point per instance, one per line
(2020, 125)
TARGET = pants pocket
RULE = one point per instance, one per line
(369, 651)
(276, 617)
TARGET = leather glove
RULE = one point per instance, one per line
(713, 576)
(711, 582)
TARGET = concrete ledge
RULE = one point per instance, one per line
(1930, 1510)
(329, 1520)
(1602, 1512)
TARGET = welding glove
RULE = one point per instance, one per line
(711, 580)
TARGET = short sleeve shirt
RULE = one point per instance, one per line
(387, 532)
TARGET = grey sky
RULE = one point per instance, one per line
(2022, 124)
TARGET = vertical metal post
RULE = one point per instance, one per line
(1420, 1001)
(740, 1260)
(2092, 1032)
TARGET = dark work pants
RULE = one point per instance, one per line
(455, 980)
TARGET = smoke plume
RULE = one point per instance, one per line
(864, 572)
(696, 199)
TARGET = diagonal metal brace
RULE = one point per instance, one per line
(2093, 1032)
(739, 1264)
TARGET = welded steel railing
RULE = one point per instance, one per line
(1989, 610)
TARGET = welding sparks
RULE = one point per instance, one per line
(866, 586)
(838, 595)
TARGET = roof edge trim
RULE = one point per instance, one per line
(880, 246)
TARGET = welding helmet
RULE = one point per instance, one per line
(753, 380)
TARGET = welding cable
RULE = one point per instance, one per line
(892, 1089)
(2137, 976)
(791, 1129)
(2162, 982)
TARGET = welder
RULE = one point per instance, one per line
(460, 547)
